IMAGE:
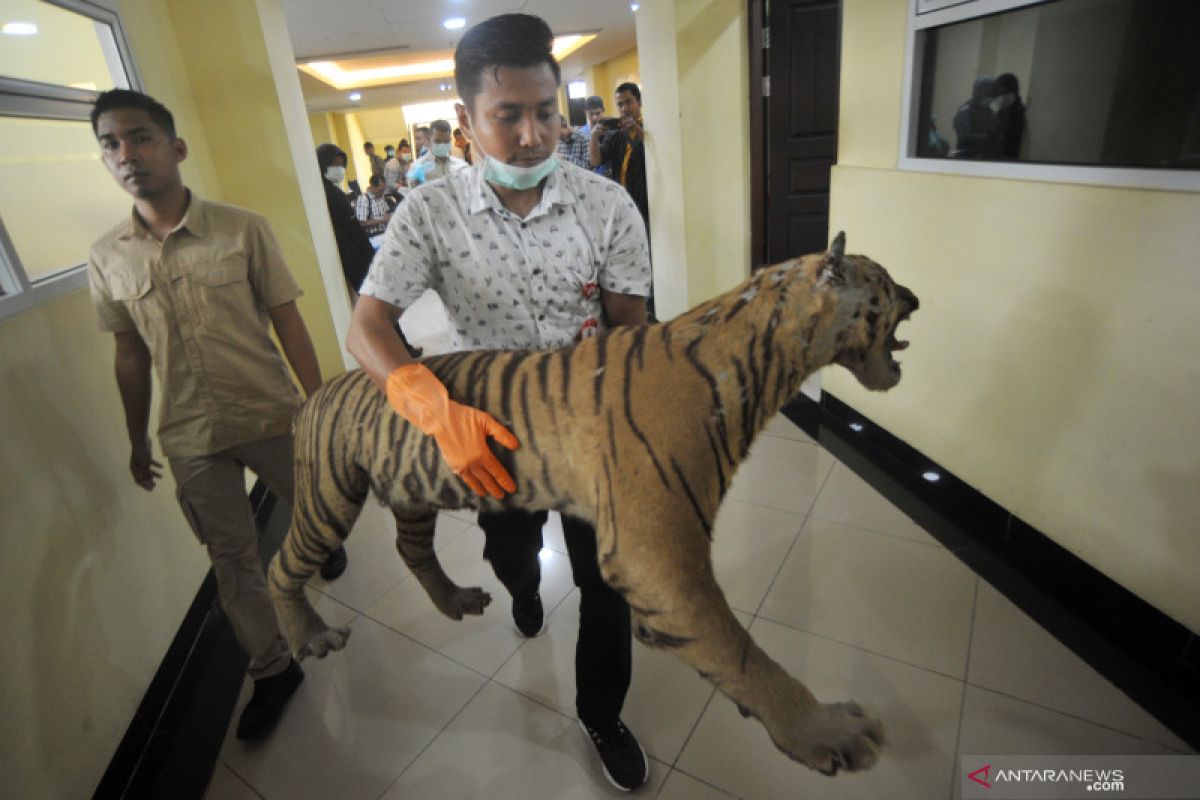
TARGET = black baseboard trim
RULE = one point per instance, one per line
(1144, 652)
(175, 736)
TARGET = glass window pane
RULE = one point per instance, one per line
(56, 197)
(68, 49)
(1093, 82)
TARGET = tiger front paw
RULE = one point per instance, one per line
(323, 643)
(836, 736)
(464, 600)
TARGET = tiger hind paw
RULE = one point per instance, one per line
(324, 643)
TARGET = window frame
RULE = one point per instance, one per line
(27, 99)
(925, 14)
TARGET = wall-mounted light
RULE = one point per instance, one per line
(355, 97)
(454, 23)
(19, 28)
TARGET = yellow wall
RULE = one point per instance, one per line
(1053, 360)
(95, 573)
(383, 126)
(603, 79)
(321, 128)
(694, 58)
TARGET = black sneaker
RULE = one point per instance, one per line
(623, 759)
(261, 714)
(528, 615)
(335, 565)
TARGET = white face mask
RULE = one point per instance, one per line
(335, 174)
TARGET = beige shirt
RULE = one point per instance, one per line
(199, 299)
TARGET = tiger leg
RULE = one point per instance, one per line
(666, 576)
(321, 520)
(414, 540)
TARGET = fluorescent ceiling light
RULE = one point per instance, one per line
(20, 28)
(454, 23)
(342, 75)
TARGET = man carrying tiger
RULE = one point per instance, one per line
(603, 436)
(526, 253)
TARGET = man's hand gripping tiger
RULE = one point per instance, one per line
(639, 431)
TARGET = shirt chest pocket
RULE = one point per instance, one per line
(141, 300)
(222, 291)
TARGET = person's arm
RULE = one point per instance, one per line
(416, 394)
(595, 157)
(297, 345)
(132, 367)
(623, 309)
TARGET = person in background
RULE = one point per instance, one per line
(388, 152)
(625, 150)
(354, 248)
(972, 120)
(395, 167)
(421, 139)
(1003, 139)
(376, 161)
(190, 290)
(572, 145)
(437, 163)
(563, 252)
(371, 209)
(462, 147)
(593, 110)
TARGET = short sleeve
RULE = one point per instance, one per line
(403, 266)
(627, 267)
(111, 314)
(269, 274)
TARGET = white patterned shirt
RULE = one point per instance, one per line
(510, 283)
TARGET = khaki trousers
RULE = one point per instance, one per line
(212, 494)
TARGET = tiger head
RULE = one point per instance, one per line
(870, 307)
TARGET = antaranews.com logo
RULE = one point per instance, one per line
(1009, 777)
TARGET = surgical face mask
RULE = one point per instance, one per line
(335, 174)
(440, 149)
(513, 177)
(406, 156)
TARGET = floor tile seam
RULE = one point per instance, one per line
(1074, 716)
(687, 739)
(382, 595)
(807, 518)
(894, 659)
(731, 496)
(707, 783)
(239, 776)
(428, 647)
(779, 569)
(805, 440)
(962, 703)
(432, 739)
(934, 544)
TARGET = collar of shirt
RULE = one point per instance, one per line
(195, 221)
(556, 191)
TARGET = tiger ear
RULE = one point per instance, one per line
(833, 267)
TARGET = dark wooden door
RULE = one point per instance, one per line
(801, 61)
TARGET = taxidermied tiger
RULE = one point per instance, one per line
(638, 431)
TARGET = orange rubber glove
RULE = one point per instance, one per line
(460, 431)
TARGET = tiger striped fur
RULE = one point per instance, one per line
(639, 431)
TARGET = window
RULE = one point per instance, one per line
(1091, 91)
(56, 198)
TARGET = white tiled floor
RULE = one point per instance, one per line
(837, 585)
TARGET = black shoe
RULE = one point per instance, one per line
(528, 615)
(261, 714)
(623, 758)
(335, 565)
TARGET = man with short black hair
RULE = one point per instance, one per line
(376, 161)
(190, 289)
(572, 145)
(372, 209)
(593, 110)
(421, 138)
(625, 151)
(437, 163)
(562, 252)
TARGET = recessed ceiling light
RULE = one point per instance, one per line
(634, 6)
(931, 476)
(20, 28)
(454, 23)
(355, 96)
